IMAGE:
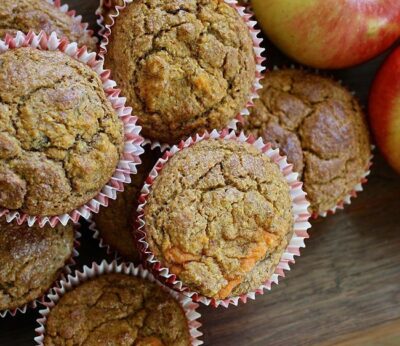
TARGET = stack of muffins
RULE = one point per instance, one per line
(211, 208)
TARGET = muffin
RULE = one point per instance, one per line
(184, 65)
(31, 260)
(60, 138)
(115, 223)
(219, 217)
(321, 128)
(38, 15)
(117, 309)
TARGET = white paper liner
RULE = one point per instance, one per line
(102, 244)
(105, 267)
(245, 14)
(352, 194)
(300, 214)
(133, 140)
(76, 18)
(65, 271)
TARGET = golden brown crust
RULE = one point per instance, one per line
(219, 216)
(60, 138)
(30, 261)
(320, 126)
(37, 15)
(115, 223)
(117, 309)
(185, 65)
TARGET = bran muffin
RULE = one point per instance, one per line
(219, 216)
(184, 65)
(31, 260)
(117, 309)
(116, 222)
(320, 126)
(60, 138)
(37, 15)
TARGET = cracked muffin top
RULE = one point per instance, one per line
(219, 216)
(184, 65)
(31, 259)
(60, 138)
(320, 126)
(37, 15)
(115, 223)
(117, 309)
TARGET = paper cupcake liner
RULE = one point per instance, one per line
(105, 267)
(133, 140)
(65, 271)
(97, 235)
(76, 18)
(245, 14)
(300, 214)
(352, 194)
(102, 244)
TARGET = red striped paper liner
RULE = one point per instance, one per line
(102, 244)
(300, 213)
(245, 14)
(104, 268)
(76, 18)
(352, 194)
(65, 271)
(96, 234)
(133, 140)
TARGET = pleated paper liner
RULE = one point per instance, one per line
(77, 19)
(95, 228)
(300, 213)
(352, 194)
(102, 244)
(107, 8)
(65, 271)
(103, 268)
(133, 140)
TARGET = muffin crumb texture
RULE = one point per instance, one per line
(117, 309)
(37, 15)
(60, 138)
(30, 261)
(219, 216)
(320, 126)
(187, 65)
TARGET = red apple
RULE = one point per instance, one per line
(330, 33)
(384, 109)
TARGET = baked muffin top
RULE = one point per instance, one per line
(116, 222)
(60, 138)
(37, 15)
(320, 126)
(117, 309)
(31, 259)
(217, 211)
(183, 65)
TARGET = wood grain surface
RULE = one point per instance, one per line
(344, 289)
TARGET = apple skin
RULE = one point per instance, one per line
(330, 34)
(384, 109)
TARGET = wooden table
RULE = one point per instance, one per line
(343, 290)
